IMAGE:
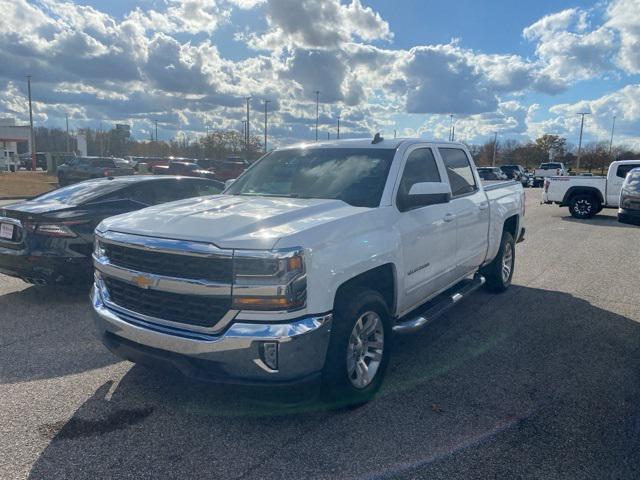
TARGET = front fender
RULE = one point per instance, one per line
(345, 248)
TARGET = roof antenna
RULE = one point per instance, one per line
(377, 139)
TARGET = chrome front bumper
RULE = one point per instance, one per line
(233, 356)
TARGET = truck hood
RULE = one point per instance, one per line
(231, 221)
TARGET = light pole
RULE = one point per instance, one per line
(580, 141)
(66, 116)
(247, 134)
(266, 102)
(33, 135)
(394, 133)
(451, 127)
(613, 126)
(244, 132)
(338, 126)
(495, 146)
(317, 111)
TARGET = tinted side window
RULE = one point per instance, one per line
(143, 192)
(207, 188)
(420, 167)
(459, 171)
(174, 190)
(624, 169)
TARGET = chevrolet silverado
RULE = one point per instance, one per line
(307, 266)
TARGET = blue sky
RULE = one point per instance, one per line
(519, 68)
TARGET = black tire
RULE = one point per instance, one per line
(338, 389)
(496, 281)
(584, 206)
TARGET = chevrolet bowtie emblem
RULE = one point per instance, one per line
(143, 281)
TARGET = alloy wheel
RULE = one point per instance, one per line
(507, 262)
(365, 349)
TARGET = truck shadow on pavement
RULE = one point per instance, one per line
(47, 332)
(600, 221)
(531, 383)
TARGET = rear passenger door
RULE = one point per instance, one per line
(471, 209)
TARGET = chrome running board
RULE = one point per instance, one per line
(431, 310)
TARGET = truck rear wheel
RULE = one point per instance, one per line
(584, 206)
(358, 352)
(500, 271)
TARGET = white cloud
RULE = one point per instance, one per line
(624, 17)
(568, 50)
(317, 24)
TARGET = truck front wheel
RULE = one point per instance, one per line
(584, 206)
(500, 271)
(358, 351)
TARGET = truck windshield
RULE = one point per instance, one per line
(354, 175)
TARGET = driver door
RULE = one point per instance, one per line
(428, 233)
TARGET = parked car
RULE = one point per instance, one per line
(230, 168)
(587, 196)
(49, 239)
(550, 169)
(491, 173)
(26, 161)
(84, 168)
(188, 169)
(306, 265)
(518, 173)
(629, 210)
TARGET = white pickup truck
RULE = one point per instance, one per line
(546, 170)
(587, 196)
(307, 265)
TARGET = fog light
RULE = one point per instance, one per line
(269, 354)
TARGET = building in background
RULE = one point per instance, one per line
(10, 135)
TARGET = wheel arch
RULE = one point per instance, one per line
(511, 225)
(381, 279)
(573, 191)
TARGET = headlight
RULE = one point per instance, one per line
(98, 248)
(269, 280)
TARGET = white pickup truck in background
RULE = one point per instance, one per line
(546, 170)
(307, 265)
(587, 196)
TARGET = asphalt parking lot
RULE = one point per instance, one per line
(542, 381)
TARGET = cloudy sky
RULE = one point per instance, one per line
(518, 68)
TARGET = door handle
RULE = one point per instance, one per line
(449, 217)
(483, 206)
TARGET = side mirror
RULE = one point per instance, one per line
(228, 183)
(426, 193)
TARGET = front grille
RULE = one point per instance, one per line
(215, 269)
(195, 310)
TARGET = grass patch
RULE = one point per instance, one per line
(27, 184)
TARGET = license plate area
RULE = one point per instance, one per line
(7, 231)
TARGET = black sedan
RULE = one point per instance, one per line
(49, 239)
